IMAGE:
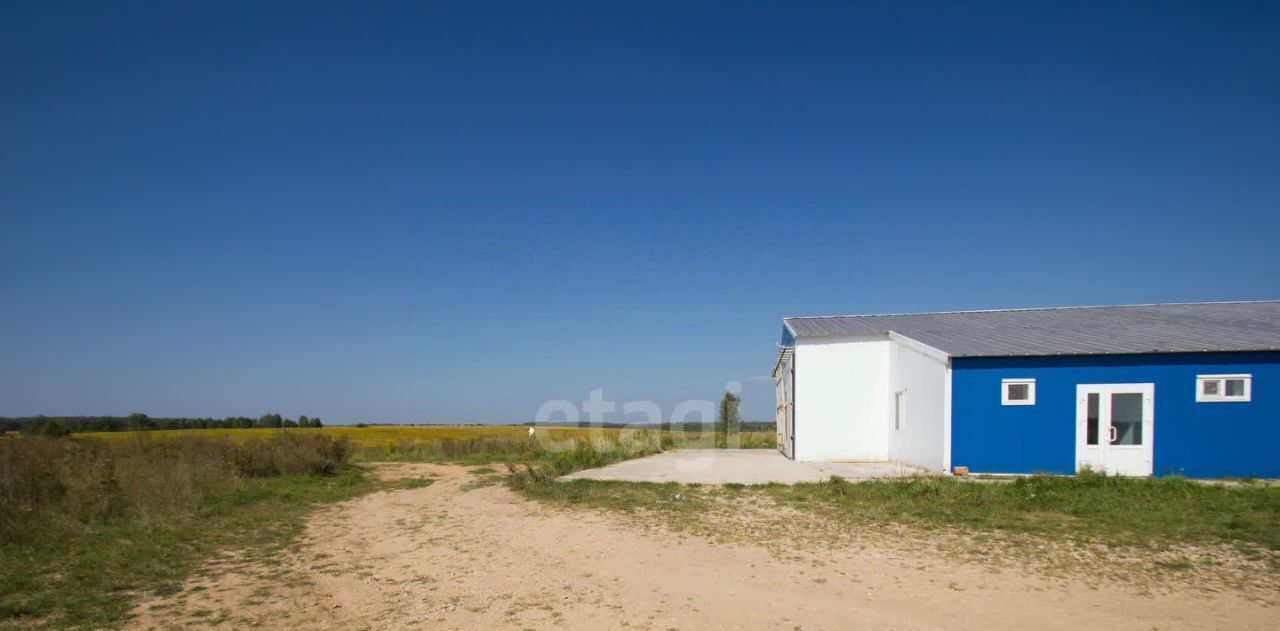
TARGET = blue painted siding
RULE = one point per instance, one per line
(1193, 439)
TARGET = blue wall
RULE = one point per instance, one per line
(1192, 439)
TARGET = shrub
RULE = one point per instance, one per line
(290, 453)
(55, 428)
(59, 483)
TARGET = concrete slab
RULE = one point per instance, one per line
(742, 466)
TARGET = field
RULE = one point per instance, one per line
(472, 443)
(468, 527)
(90, 523)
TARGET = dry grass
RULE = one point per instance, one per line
(461, 443)
(87, 525)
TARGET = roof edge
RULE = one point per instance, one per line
(914, 313)
(1205, 351)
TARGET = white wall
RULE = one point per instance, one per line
(920, 373)
(840, 398)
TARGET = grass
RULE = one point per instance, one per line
(1087, 509)
(468, 444)
(93, 579)
(1115, 511)
(87, 528)
(660, 497)
(90, 523)
(406, 484)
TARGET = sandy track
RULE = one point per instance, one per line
(451, 556)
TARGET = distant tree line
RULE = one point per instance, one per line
(63, 425)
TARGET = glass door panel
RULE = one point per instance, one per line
(1126, 418)
(1091, 420)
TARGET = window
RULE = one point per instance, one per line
(1091, 420)
(1018, 392)
(1126, 418)
(1223, 388)
(898, 410)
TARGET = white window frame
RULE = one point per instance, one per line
(1031, 391)
(899, 410)
(1222, 397)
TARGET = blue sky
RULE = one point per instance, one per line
(456, 211)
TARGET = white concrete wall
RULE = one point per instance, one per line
(921, 375)
(840, 398)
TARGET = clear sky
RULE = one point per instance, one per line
(455, 211)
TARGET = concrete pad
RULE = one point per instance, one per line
(742, 466)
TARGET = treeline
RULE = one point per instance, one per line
(743, 426)
(62, 425)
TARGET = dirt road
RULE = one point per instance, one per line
(453, 556)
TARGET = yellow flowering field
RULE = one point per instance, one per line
(398, 437)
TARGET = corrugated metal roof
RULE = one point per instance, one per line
(1169, 328)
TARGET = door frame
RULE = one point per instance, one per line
(1148, 392)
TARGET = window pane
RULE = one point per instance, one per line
(1126, 418)
(1235, 387)
(1018, 391)
(1091, 422)
(1210, 386)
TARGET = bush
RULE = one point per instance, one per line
(52, 483)
(291, 453)
(87, 525)
(55, 429)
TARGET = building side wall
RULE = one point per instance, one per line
(841, 398)
(1190, 438)
(919, 438)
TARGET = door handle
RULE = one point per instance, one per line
(1112, 433)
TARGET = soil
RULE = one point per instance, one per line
(461, 555)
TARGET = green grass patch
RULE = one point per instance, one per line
(404, 484)
(90, 527)
(1088, 508)
(93, 578)
(623, 496)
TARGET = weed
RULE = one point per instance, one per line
(404, 484)
(469, 444)
(87, 526)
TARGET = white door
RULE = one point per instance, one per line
(1115, 427)
(786, 412)
(789, 414)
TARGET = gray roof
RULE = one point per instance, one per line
(1170, 328)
